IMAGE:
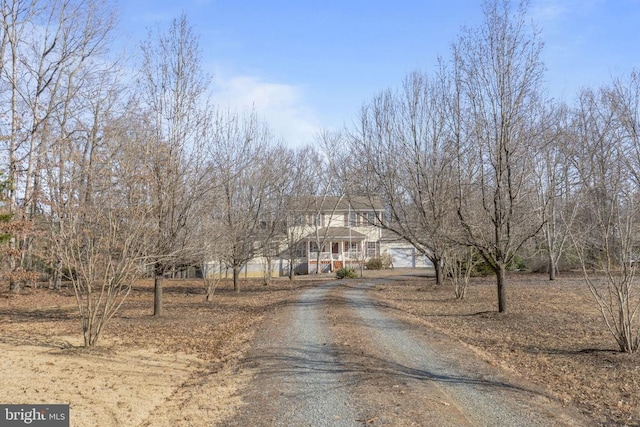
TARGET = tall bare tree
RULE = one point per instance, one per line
(46, 45)
(606, 233)
(556, 182)
(298, 188)
(16, 17)
(499, 74)
(173, 94)
(326, 193)
(400, 154)
(248, 181)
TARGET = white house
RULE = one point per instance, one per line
(336, 232)
(327, 233)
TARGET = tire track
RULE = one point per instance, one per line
(467, 390)
(299, 379)
(336, 358)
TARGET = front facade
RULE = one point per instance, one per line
(336, 232)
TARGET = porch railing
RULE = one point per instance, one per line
(328, 256)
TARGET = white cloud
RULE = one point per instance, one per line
(281, 105)
(548, 10)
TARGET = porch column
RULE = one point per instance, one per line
(332, 267)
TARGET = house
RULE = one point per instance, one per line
(326, 233)
(336, 232)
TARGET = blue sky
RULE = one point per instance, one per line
(307, 65)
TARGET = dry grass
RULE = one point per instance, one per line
(552, 334)
(189, 324)
(177, 370)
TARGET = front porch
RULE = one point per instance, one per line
(342, 247)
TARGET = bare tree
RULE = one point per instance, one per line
(210, 256)
(498, 71)
(402, 153)
(325, 192)
(248, 185)
(173, 93)
(97, 224)
(606, 233)
(321, 215)
(556, 182)
(299, 186)
(16, 17)
(459, 264)
(46, 46)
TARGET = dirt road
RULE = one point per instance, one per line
(338, 358)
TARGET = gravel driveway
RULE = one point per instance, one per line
(334, 357)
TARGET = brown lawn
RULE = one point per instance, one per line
(182, 368)
(553, 334)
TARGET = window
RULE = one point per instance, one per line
(296, 219)
(372, 249)
(351, 246)
(264, 221)
(301, 250)
(370, 217)
(315, 219)
(353, 219)
(313, 247)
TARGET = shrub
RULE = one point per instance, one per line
(379, 263)
(374, 264)
(517, 264)
(346, 273)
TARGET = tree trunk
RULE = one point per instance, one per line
(267, 272)
(437, 265)
(56, 275)
(501, 282)
(318, 263)
(552, 268)
(210, 289)
(236, 281)
(157, 297)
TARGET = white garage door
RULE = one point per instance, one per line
(403, 257)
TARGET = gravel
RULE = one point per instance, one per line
(482, 396)
(317, 394)
(302, 377)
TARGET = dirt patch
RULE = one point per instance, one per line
(177, 370)
(553, 335)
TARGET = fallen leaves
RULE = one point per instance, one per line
(553, 336)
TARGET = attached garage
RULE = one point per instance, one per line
(408, 257)
(403, 257)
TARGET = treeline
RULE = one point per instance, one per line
(477, 164)
(116, 169)
(113, 169)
